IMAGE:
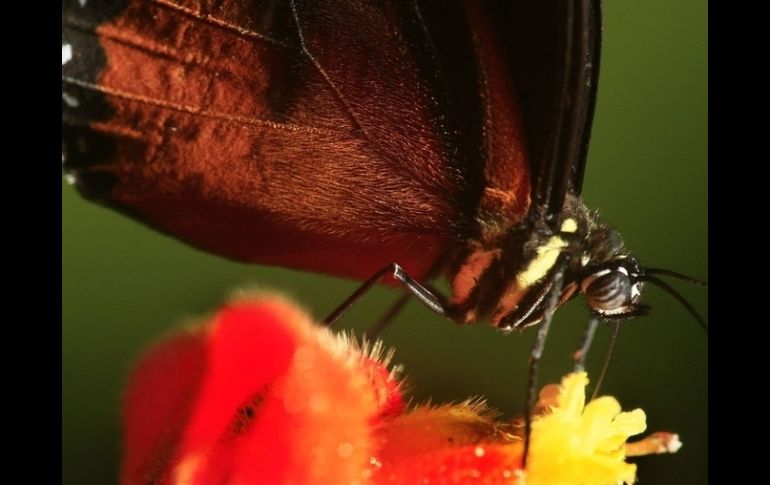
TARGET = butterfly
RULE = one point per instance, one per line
(341, 137)
(357, 139)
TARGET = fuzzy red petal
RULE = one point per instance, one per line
(157, 406)
(262, 396)
(448, 444)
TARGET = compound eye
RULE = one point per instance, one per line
(610, 291)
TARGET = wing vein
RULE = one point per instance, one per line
(364, 133)
(220, 23)
(327, 78)
(196, 111)
(153, 48)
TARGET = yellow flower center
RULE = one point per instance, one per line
(578, 443)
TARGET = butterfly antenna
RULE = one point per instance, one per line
(674, 274)
(671, 291)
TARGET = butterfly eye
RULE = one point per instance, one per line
(610, 291)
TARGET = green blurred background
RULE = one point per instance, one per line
(124, 285)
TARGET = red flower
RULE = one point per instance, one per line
(263, 395)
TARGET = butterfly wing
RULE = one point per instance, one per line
(560, 78)
(334, 136)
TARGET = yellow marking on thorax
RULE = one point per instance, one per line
(569, 225)
(479, 261)
(541, 263)
(546, 257)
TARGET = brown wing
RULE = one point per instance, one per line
(335, 136)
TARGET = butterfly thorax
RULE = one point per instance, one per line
(507, 280)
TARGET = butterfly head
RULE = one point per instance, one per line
(609, 278)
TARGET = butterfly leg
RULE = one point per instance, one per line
(377, 328)
(581, 353)
(433, 301)
(536, 353)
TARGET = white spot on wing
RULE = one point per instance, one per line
(71, 101)
(82, 2)
(66, 53)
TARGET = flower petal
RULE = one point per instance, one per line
(270, 398)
